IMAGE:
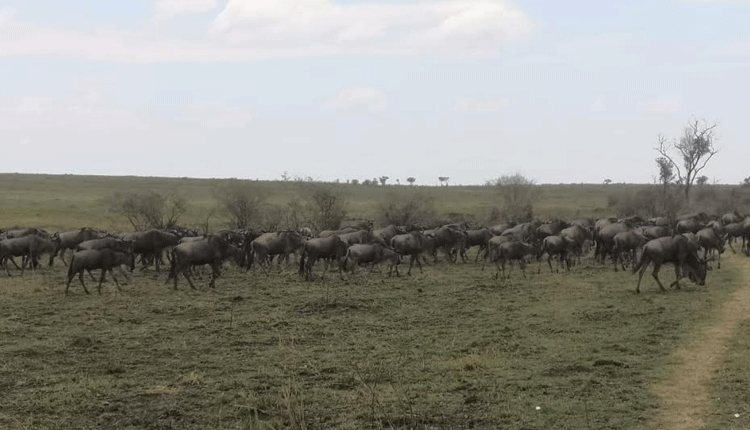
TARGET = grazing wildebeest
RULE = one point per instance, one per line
(280, 243)
(554, 246)
(659, 221)
(385, 234)
(731, 217)
(28, 247)
(108, 242)
(409, 244)
(330, 248)
(498, 229)
(654, 231)
(374, 253)
(627, 242)
(709, 239)
(605, 239)
(212, 250)
(447, 238)
(92, 259)
(522, 232)
(674, 250)
(686, 225)
(550, 229)
(479, 238)
(359, 236)
(151, 243)
(510, 251)
(69, 240)
(339, 232)
(732, 231)
(575, 238)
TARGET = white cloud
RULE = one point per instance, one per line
(216, 115)
(358, 99)
(256, 29)
(170, 8)
(458, 27)
(470, 104)
(662, 105)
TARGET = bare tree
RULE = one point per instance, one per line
(518, 194)
(321, 208)
(243, 205)
(666, 172)
(694, 149)
(149, 210)
(416, 209)
(411, 180)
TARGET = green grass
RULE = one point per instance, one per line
(451, 348)
(60, 202)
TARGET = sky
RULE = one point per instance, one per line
(561, 92)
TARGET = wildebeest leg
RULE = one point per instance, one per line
(655, 274)
(80, 278)
(215, 272)
(115, 279)
(522, 263)
(677, 276)
(729, 242)
(641, 272)
(101, 280)
(186, 273)
(91, 274)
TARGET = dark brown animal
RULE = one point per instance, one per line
(104, 259)
(212, 250)
(676, 250)
(330, 248)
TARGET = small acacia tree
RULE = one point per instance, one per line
(415, 209)
(244, 206)
(149, 210)
(320, 208)
(694, 150)
(666, 172)
(518, 194)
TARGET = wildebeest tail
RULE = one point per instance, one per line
(345, 259)
(643, 261)
(71, 271)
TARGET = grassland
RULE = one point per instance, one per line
(60, 202)
(451, 348)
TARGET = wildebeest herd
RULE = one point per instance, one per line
(689, 242)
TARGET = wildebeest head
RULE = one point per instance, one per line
(696, 269)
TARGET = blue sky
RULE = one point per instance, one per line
(572, 91)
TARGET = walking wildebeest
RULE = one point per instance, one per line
(510, 251)
(575, 236)
(498, 229)
(409, 244)
(554, 246)
(151, 243)
(280, 243)
(627, 242)
(104, 259)
(447, 238)
(69, 240)
(330, 248)
(676, 250)
(385, 234)
(374, 253)
(107, 243)
(29, 247)
(478, 238)
(212, 250)
(709, 239)
(605, 239)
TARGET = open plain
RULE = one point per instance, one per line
(449, 348)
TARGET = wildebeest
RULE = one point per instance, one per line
(731, 217)
(330, 248)
(106, 243)
(280, 243)
(605, 239)
(447, 238)
(554, 246)
(511, 251)
(151, 243)
(498, 229)
(626, 242)
(409, 244)
(522, 232)
(212, 251)
(710, 240)
(359, 236)
(339, 232)
(92, 259)
(29, 247)
(550, 229)
(385, 234)
(478, 238)
(374, 253)
(575, 236)
(654, 231)
(69, 240)
(15, 233)
(686, 225)
(674, 250)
